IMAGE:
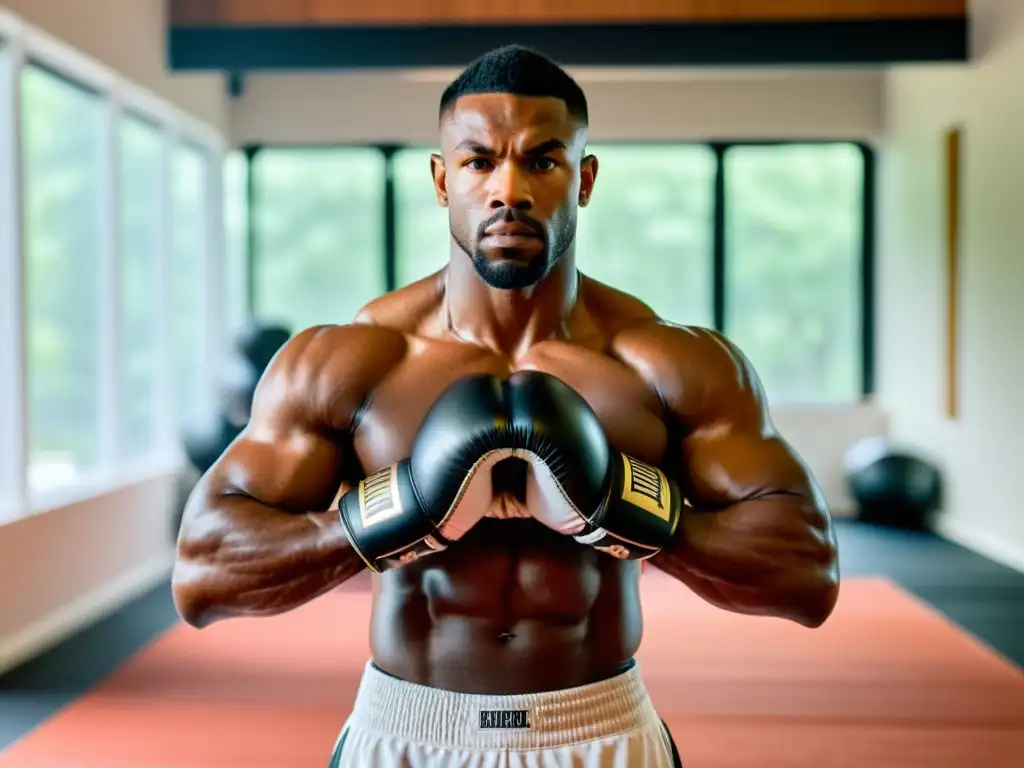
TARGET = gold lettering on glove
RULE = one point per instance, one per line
(646, 487)
(378, 498)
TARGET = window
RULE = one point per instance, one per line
(649, 227)
(110, 253)
(421, 232)
(62, 135)
(764, 242)
(793, 248)
(319, 218)
(188, 272)
(140, 168)
(235, 228)
(12, 448)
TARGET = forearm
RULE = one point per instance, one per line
(770, 556)
(237, 557)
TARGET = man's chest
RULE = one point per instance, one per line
(627, 407)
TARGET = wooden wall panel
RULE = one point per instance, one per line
(446, 12)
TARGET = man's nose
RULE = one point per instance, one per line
(511, 188)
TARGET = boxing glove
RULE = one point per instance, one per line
(579, 485)
(422, 504)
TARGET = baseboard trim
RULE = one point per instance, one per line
(47, 632)
(984, 543)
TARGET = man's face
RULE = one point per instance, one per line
(512, 174)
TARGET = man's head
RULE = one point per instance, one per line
(512, 169)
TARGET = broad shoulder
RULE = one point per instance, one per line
(326, 373)
(701, 376)
(321, 377)
(612, 310)
(409, 310)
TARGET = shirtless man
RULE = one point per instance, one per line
(490, 435)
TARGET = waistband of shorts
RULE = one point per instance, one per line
(417, 713)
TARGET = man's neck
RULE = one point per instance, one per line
(509, 321)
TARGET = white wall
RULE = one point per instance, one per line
(624, 104)
(64, 567)
(822, 434)
(129, 36)
(981, 452)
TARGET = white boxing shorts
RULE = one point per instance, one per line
(608, 724)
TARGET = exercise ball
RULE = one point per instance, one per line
(258, 343)
(254, 347)
(237, 386)
(894, 487)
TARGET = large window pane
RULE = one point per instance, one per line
(794, 219)
(649, 227)
(12, 474)
(188, 284)
(422, 234)
(140, 232)
(235, 271)
(62, 135)
(319, 218)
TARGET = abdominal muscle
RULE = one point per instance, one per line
(513, 607)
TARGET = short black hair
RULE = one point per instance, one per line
(518, 70)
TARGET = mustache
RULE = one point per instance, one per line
(509, 215)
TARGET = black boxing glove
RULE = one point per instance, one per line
(581, 486)
(422, 504)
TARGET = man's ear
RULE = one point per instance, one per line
(588, 175)
(438, 173)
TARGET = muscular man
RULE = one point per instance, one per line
(488, 434)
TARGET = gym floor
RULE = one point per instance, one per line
(983, 597)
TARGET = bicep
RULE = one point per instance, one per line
(728, 464)
(296, 471)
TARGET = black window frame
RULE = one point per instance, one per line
(719, 254)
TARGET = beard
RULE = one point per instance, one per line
(510, 272)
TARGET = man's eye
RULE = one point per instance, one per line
(544, 163)
(478, 164)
